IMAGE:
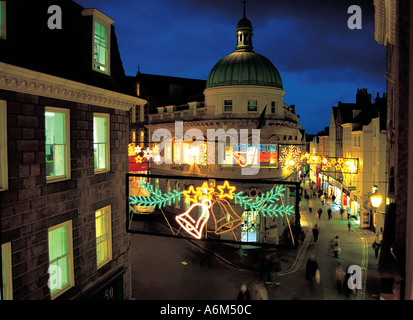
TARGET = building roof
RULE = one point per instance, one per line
(65, 53)
(244, 66)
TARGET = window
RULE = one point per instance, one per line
(100, 48)
(7, 289)
(252, 106)
(101, 138)
(4, 181)
(60, 259)
(57, 144)
(273, 110)
(2, 19)
(101, 40)
(103, 236)
(227, 105)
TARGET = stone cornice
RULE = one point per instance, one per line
(13, 78)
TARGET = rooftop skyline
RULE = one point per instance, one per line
(321, 61)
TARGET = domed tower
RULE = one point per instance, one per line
(244, 81)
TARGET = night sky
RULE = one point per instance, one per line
(321, 61)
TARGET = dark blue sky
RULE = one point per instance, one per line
(321, 61)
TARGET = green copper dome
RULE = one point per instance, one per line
(244, 66)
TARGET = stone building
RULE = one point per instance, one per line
(64, 134)
(393, 29)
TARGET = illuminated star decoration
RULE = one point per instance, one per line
(290, 158)
(230, 189)
(147, 153)
(138, 159)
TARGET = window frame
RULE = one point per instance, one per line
(3, 20)
(70, 267)
(67, 175)
(225, 105)
(6, 269)
(108, 227)
(107, 143)
(249, 105)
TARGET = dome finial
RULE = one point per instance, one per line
(244, 2)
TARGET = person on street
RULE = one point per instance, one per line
(310, 206)
(341, 213)
(316, 231)
(336, 247)
(320, 211)
(244, 294)
(340, 275)
(323, 199)
(376, 247)
(329, 212)
(311, 269)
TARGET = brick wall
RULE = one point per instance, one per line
(31, 206)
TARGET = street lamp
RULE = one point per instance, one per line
(375, 202)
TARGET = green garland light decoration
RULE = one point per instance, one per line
(266, 203)
(156, 198)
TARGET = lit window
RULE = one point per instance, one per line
(227, 105)
(57, 144)
(100, 48)
(103, 236)
(60, 259)
(3, 147)
(101, 40)
(7, 290)
(252, 106)
(101, 148)
(2, 19)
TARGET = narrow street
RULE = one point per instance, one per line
(165, 268)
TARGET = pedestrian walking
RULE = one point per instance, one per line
(340, 275)
(323, 199)
(341, 213)
(310, 206)
(311, 269)
(329, 212)
(244, 294)
(316, 231)
(349, 225)
(336, 247)
(320, 211)
(376, 247)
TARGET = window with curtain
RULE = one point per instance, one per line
(103, 236)
(57, 144)
(101, 147)
(60, 259)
